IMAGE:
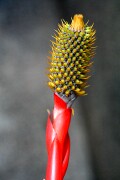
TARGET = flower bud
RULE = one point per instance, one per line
(70, 58)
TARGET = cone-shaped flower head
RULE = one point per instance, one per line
(70, 58)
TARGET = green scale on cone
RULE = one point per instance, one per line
(70, 58)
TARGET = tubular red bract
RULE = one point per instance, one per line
(57, 140)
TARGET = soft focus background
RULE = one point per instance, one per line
(26, 28)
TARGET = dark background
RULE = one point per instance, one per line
(26, 28)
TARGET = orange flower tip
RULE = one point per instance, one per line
(77, 23)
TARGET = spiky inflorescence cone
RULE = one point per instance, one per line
(70, 58)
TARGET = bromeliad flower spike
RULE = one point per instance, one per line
(71, 53)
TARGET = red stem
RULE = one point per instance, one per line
(57, 140)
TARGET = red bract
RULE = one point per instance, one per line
(57, 140)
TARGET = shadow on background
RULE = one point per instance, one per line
(25, 32)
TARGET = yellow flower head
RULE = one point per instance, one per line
(70, 57)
